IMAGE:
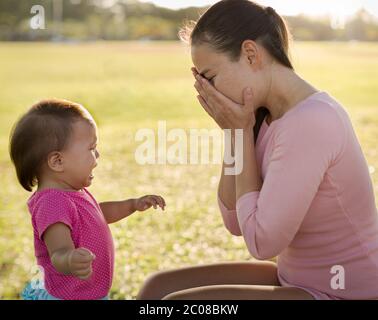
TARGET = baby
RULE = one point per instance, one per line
(54, 146)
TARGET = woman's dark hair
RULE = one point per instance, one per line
(228, 23)
(45, 128)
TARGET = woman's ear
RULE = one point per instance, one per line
(251, 52)
(55, 161)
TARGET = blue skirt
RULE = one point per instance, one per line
(36, 291)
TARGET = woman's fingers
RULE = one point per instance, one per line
(206, 90)
(214, 99)
(219, 119)
(200, 90)
(226, 112)
(205, 106)
(217, 105)
(212, 94)
(194, 71)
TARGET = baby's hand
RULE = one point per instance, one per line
(80, 263)
(146, 202)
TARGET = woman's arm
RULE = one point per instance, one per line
(226, 187)
(228, 115)
(249, 180)
(226, 190)
(227, 194)
(227, 202)
(303, 151)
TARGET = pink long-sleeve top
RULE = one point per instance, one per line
(316, 209)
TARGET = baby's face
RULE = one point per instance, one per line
(80, 156)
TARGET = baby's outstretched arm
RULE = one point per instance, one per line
(117, 210)
(63, 255)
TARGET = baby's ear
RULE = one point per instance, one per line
(55, 161)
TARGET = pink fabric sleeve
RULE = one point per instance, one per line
(303, 150)
(230, 219)
(52, 208)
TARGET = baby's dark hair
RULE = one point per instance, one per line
(45, 128)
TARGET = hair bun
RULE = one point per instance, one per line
(270, 11)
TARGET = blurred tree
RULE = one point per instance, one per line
(133, 20)
(362, 27)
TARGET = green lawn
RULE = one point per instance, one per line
(128, 86)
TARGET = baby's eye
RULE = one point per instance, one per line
(211, 80)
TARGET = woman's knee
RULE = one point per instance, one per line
(179, 295)
(151, 286)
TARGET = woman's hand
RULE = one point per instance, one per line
(226, 113)
(146, 202)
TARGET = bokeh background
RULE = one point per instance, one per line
(123, 61)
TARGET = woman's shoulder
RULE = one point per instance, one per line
(319, 122)
(318, 114)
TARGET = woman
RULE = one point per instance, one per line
(304, 194)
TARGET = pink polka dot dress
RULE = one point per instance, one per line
(89, 229)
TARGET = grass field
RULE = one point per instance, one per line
(128, 86)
